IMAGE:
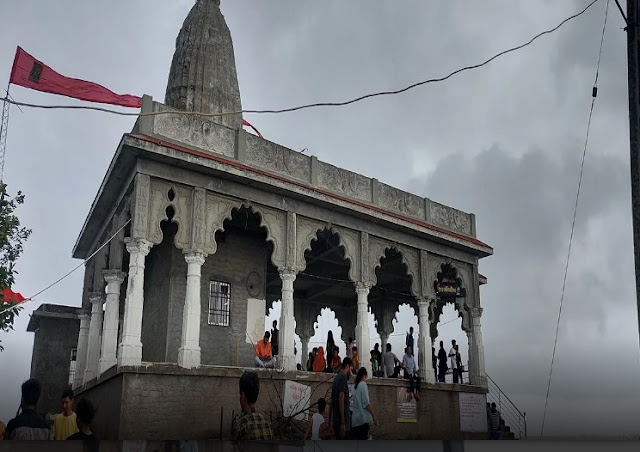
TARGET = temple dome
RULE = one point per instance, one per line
(203, 74)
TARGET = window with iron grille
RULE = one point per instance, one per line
(219, 303)
(72, 365)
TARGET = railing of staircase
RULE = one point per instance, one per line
(512, 416)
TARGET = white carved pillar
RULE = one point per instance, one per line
(305, 350)
(189, 351)
(477, 374)
(81, 352)
(286, 357)
(130, 349)
(362, 327)
(384, 337)
(424, 342)
(109, 348)
(93, 343)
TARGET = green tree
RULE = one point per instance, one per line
(12, 237)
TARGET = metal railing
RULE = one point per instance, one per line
(513, 418)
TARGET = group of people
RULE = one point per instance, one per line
(342, 421)
(442, 360)
(68, 425)
(332, 363)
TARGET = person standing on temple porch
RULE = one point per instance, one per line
(442, 363)
(391, 363)
(411, 373)
(434, 362)
(378, 356)
(64, 424)
(459, 363)
(454, 361)
(409, 340)
(331, 344)
(350, 348)
(274, 338)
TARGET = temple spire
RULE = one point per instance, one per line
(203, 74)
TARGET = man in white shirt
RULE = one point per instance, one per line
(454, 362)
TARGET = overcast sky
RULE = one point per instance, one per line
(503, 141)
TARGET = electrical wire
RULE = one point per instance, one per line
(319, 104)
(575, 211)
(15, 306)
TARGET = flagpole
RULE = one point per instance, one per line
(4, 125)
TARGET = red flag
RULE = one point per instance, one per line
(246, 123)
(10, 296)
(31, 73)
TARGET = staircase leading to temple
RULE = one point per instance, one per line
(513, 423)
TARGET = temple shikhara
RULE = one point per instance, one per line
(214, 224)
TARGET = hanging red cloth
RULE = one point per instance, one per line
(10, 296)
(31, 73)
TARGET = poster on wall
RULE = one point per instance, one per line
(407, 407)
(297, 398)
(473, 412)
(255, 320)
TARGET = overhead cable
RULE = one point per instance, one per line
(319, 104)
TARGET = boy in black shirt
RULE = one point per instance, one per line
(84, 416)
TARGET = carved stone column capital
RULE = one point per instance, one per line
(287, 275)
(96, 298)
(114, 276)
(362, 288)
(195, 257)
(138, 245)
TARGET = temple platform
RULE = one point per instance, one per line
(166, 402)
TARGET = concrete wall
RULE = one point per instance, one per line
(166, 402)
(50, 361)
(106, 397)
(237, 256)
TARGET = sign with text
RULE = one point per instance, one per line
(473, 412)
(407, 408)
(297, 398)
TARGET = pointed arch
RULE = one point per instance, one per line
(220, 209)
(410, 257)
(308, 231)
(449, 288)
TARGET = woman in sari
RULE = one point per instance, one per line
(319, 362)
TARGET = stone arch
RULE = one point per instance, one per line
(307, 233)
(220, 209)
(449, 287)
(378, 249)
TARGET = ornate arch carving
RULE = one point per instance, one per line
(220, 208)
(449, 287)
(307, 233)
(162, 196)
(410, 258)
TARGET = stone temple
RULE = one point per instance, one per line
(212, 225)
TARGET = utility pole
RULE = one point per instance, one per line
(633, 62)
